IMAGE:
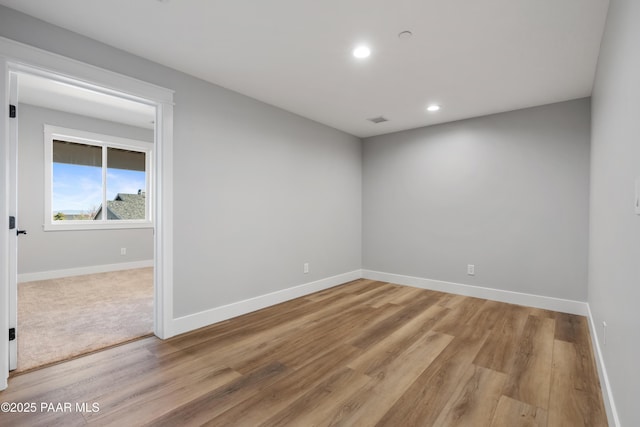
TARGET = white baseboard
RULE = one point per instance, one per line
(530, 300)
(607, 394)
(218, 314)
(105, 268)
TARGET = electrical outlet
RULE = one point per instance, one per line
(471, 270)
(123, 251)
(604, 333)
(305, 267)
(637, 198)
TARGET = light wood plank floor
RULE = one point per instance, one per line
(361, 354)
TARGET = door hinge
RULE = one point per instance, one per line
(12, 111)
(12, 334)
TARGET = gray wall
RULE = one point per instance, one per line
(257, 190)
(507, 193)
(614, 256)
(43, 250)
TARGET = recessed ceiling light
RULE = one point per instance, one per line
(361, 52)
(404, 35)
(433, 108)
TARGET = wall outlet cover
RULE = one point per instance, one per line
(637, 198)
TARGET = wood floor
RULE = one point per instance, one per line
(361, 354)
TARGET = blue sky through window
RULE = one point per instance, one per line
(78, 188)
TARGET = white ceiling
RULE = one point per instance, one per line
(47, 93)
(474, 57)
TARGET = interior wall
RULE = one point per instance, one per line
(614, 261)
(507, 193)
(42, 251)
(257, 191)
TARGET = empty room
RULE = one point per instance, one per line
(84, 281)
(409, 213)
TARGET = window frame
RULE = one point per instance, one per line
(52, 133)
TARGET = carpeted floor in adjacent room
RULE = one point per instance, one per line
(59, 319)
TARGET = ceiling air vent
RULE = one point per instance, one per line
(377, 120)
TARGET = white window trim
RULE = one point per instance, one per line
(91, 138)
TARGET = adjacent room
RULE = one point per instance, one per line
(343, 212)
(85, 282)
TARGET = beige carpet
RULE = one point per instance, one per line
(62, 318)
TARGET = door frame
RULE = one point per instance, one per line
(13, 237)
(18, 57)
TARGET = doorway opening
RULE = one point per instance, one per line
(85, 199)
(18, 58)
(85, 209)
(76, 260)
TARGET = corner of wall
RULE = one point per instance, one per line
(530, 300)
(607, 393)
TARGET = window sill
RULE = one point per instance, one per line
(90, 225)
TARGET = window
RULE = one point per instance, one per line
(96, 181)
